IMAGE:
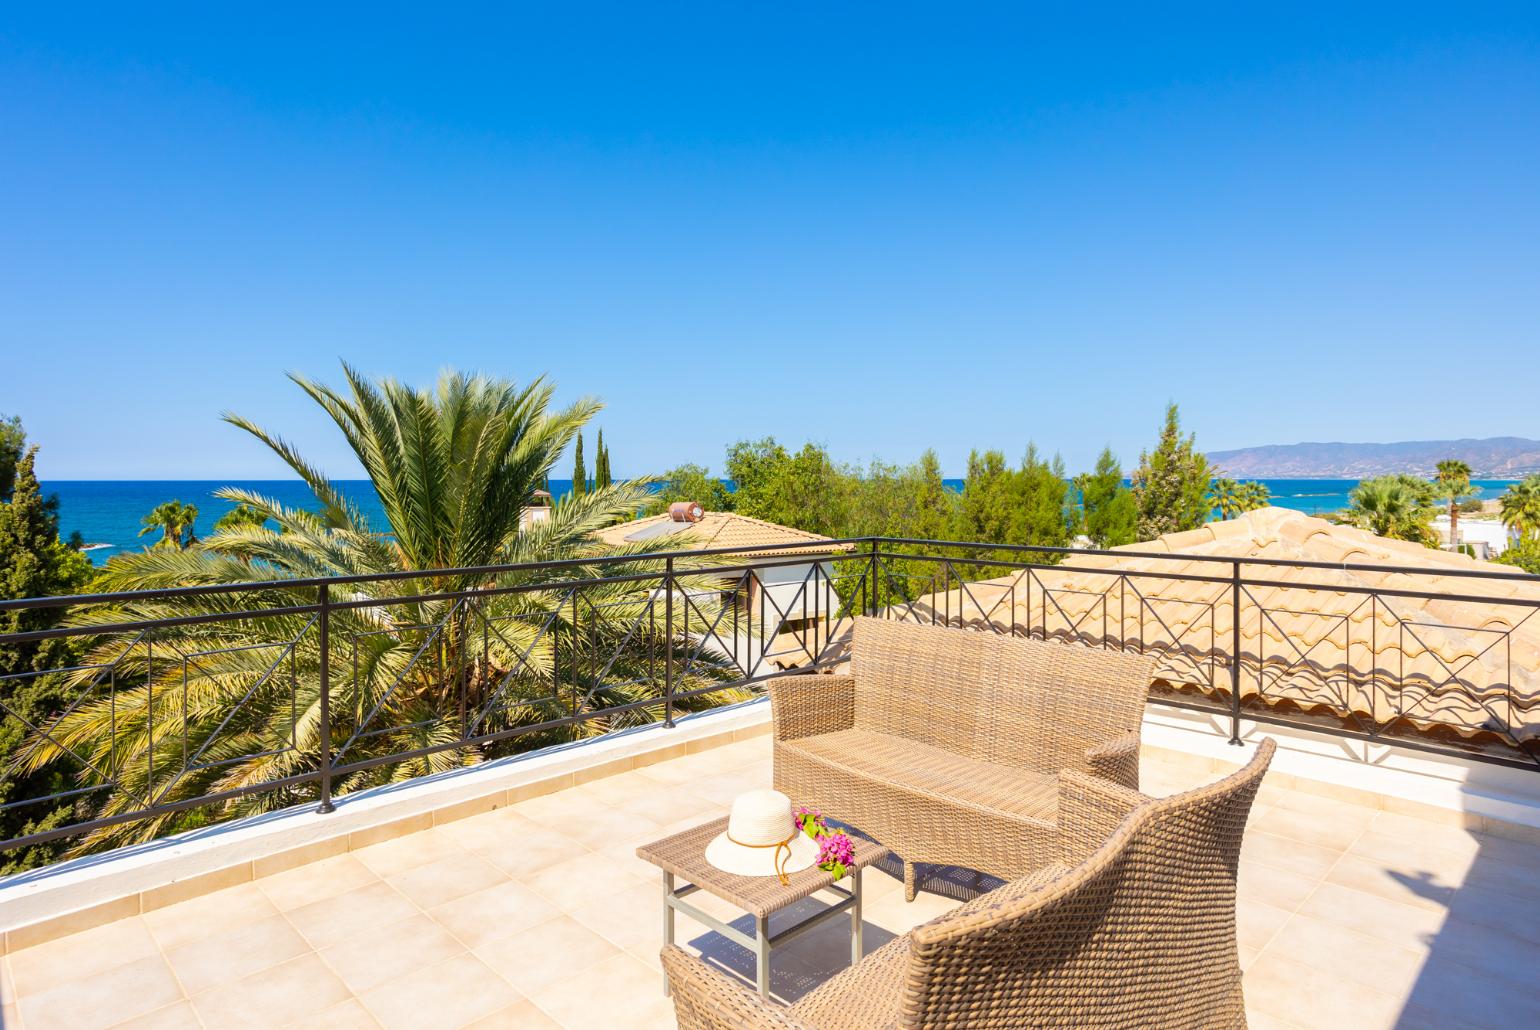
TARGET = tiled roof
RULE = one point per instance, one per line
(716, 529)
(1469, 666)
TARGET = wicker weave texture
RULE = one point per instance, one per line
(947, 744)
(1139, 934)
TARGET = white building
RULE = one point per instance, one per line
(1486, 537)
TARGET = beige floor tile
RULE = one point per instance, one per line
(530, 848)
(1391, 921)
(446, 879)
(205, 916)
(1473, 997)
(177, 1016)
(297, 989)
(632, 996)
(564, 809)
(79, 956)
(631, 918)
(1424, 833)
(346, 916)
(488, 915)
(523, 1015)
(624, 789)
(106, 997)
(1337, 831)
(1257, 922)
(350, 1015)
(1406, 881)
(1349, 954)
(1276, 887)
(1291, 855)
(390, 951)
(211, 961)
(1460, 945)
(571, 885)
(1299, 994)
(543, 954)
(408, 851)
(602, 828)
(667, 806)
(294, 888)
(445, 996)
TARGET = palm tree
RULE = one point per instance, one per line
(1520, 508)
(175, 522)
(1453, 482)
(1232, 498)
(408, 667)
(1396, 507)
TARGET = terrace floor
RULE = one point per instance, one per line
(539, 915)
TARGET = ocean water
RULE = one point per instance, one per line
(110, 512)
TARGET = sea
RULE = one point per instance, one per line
(108, 514)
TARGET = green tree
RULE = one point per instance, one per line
(601, 463)
(579, 470)
(690, 483)
(1171, 483)
(1108, 512)
(805, 490)
(1398, 507)
(242, 516)
(1520, 508)
(13, 443)
(1453, 485)
(1231, 499)
(453, 468)
(175, 522)
(33, 563)
(1523, 555)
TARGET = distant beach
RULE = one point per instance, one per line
(108, 513)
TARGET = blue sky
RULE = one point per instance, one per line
(879, 228)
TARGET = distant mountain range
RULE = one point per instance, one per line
(1501, 457)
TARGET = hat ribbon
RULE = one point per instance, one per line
(780, 860)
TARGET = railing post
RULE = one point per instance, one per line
(1235, 652)
(668, 644)
(873, 611)
(324, 632)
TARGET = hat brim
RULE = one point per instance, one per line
(731, 857)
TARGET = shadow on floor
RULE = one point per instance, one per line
(1481, 960)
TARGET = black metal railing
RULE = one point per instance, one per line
(165, 709)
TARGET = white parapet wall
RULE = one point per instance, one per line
(70, 896)
(1441, 787)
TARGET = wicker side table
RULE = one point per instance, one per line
(683, 856)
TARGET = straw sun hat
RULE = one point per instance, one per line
(762, 838)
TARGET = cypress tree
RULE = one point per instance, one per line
(579, 470)
(1171, 484)
(601, 463)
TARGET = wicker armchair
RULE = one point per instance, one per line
(1138, 932)
(946, 745)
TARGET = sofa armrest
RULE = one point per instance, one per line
(1090, 809)
(705, 999)
(804, 706)
(1116, 760)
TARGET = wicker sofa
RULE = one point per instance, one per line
(1135, 929)
(947, 745)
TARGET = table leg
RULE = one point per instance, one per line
(762, 954)
(855, 918)
(668, 919)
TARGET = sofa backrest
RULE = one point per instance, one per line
(1142, 933)
(1030, 703)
